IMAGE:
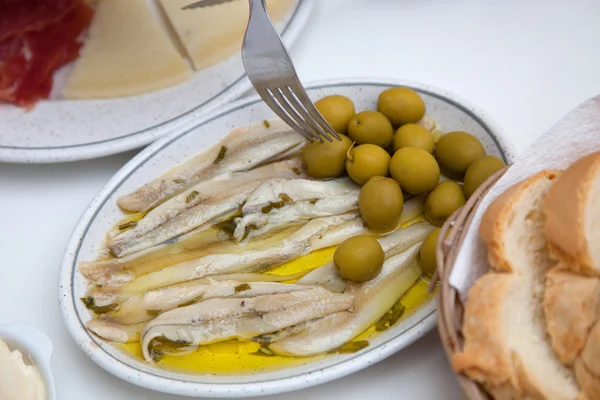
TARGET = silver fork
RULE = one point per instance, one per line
(272, 73)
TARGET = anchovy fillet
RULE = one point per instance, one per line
(202, 203)
(243, 318)
(112, 331)
(191, 246)
(294, 246)
(279, 202)
(146, 307)
(392, 244)
(372, 300)
(241, 150)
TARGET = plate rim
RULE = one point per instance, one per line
(134, 140)
(227, 390)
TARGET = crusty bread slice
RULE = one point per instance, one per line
(588, 382)
(570, 306)
(587, 367)
(507, 347)
(572, 212)
(572, 297)
(493, 365)
(511, 227)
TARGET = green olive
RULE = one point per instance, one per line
(380, 203)
(371, 127)
(480, 171)
(446, 198)
(414, 135)
(427, 252)
(327, 159)
(456, 151)
(337, 110)
(415, 170)
(401, 105)
(366, 161)
(359, 258)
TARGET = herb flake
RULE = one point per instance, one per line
(221, 155)
(128, 225)
(242, 288)
(190, 197)
(90, 304)
(286, 198)
(228, 225)
(156, 355)
(269, 207)
(153, 313)
(391, 317)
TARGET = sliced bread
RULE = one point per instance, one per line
(570, 306)
(572, 297)
(511, 227)
(507, 347)
(572, 213)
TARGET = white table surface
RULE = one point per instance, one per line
(526, 62)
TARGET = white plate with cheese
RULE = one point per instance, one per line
(146, 68)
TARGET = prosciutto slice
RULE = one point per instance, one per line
(34, 45)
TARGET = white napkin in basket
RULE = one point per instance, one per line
(573, 137)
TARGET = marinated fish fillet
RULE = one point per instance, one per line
(279, 202)
(243, 318)
(293, 190)
(118, 271)
(221, 206)
(220, 196)
(115, 332)
(294, 246)
(392, 244)
(190, 246)
(146, 307)
(194, 245)
(241, 150)
(372, 300)
(413, 210)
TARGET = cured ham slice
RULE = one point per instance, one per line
(32, 49)
(20, 16)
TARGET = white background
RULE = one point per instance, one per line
(525, 62)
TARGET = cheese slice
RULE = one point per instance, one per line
(126, 53)
(213, 34)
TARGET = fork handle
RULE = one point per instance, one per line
(258, 3)
(260, 24)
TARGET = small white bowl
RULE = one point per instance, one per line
(450, 111)
(33, 344)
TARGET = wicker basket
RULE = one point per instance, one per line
(450, 308)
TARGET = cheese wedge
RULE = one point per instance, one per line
(213, 34)
(126, 53)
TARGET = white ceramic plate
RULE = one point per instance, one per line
(68, 130)
(451, 112)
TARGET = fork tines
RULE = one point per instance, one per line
(295, 107)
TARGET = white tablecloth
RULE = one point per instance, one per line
(525, 62)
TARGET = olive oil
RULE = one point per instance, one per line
(223, 358)
(244, 357)
(416, 297)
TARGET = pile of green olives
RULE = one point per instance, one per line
(393, 153)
